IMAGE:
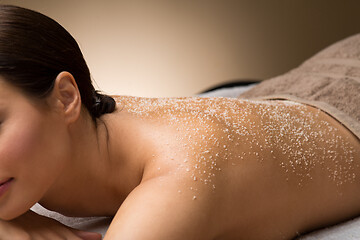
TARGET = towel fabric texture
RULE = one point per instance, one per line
(329, 81)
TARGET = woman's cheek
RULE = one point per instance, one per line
(18, 146)
(20, 159)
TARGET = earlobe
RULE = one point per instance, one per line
(67, 93)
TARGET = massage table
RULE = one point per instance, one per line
(348, 230)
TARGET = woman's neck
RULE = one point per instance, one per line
(103, 165)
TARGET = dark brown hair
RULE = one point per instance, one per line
(34, 49)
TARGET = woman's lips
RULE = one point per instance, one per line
(4, 180)
(4, 185)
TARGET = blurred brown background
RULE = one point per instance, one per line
(180, 47)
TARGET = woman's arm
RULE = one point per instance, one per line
(159, 210)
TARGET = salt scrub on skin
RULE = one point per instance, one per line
(212, 130)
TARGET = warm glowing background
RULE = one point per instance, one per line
(180, 47)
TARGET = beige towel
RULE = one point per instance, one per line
(329, 81)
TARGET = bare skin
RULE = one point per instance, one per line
(148, 165)
(252, 200)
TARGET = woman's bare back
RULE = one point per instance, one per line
(249, 169)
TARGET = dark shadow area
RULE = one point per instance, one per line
(233, 83)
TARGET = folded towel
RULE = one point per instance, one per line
(329, 81)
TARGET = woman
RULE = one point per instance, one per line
(181, 168)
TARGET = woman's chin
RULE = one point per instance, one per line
(13, 209)
(9, 214)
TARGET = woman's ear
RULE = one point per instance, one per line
(67, 94)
